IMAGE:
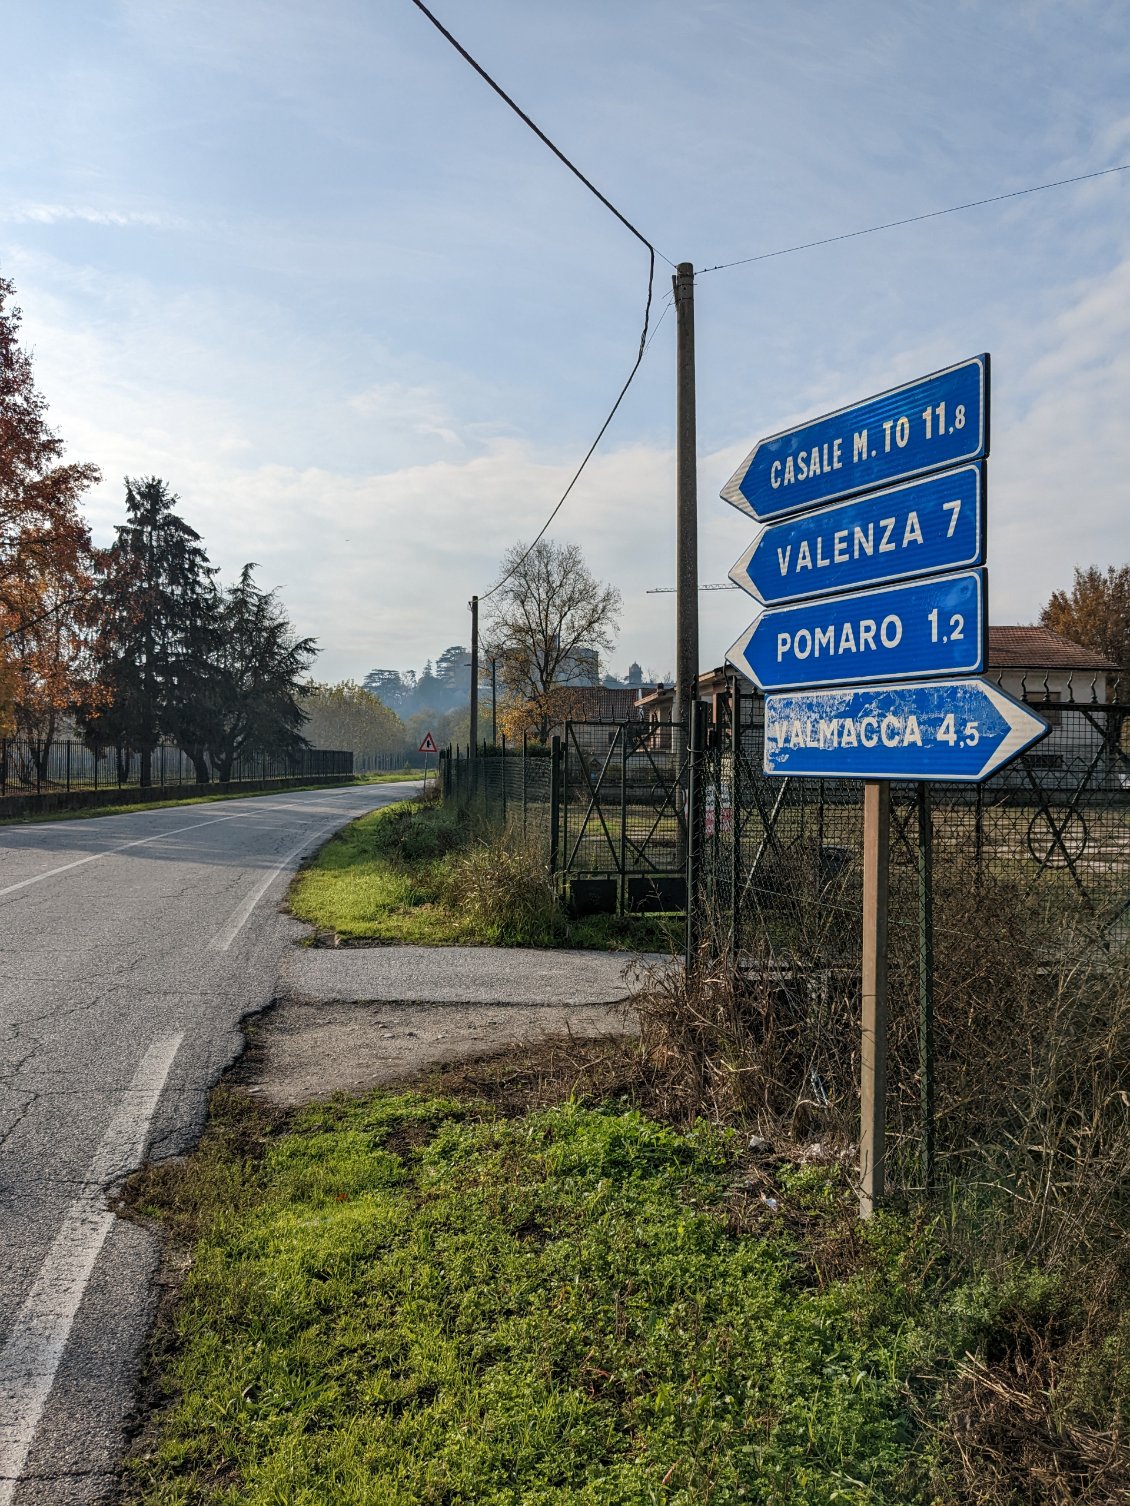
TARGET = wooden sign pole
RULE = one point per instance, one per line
(873, 1044)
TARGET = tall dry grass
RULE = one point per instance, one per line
(1032, 1071)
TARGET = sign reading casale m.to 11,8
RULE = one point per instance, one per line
(939, 421)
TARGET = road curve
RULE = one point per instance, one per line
(130, 948)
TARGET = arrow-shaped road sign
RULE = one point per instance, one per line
(924, 627)
(921, 528)
(936, 422)
(961, 730)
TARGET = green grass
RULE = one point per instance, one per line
(407, 1301)
(428, 875)
(84, 813)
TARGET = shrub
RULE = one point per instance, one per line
(503, 887)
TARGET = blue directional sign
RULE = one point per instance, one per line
(925, 627)
(962, 730)
(936, 422)
(921, 528)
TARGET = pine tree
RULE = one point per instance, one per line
(159, 631)
(257, 678)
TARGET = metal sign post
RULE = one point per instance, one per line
(873, 1023)
(428, 746)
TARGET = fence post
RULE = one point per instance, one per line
(736, 818)
(622, 890)
(694, 733)
(554, 802)
(525, 736)
(504, 779)
(67, 745)
(564, 796)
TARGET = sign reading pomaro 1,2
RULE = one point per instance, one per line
(934, 626)
(939, 421)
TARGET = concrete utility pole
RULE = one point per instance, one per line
(686, 511)
(474, 675)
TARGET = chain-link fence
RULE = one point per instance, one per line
(1009, 902)
(28, 767)
(606, 804)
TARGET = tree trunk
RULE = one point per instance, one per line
(146, 778)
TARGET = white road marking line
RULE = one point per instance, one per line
(242, 914)
(31, 1355)
(110, 851)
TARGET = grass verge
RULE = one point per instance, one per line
(87, 812)
(427, 874)
(428, 1298)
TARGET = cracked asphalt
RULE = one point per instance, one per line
(130, 948)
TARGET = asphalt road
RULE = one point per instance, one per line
(130, 948)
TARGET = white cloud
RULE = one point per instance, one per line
(54, 214)
(416, 409)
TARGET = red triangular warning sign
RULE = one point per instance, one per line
(429, 744)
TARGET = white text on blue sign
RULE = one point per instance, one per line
(921, 528)
(934, 626)
(962, 730)
(927, 425)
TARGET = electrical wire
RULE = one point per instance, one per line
(914, 219)
(639, 235)
(537, 130)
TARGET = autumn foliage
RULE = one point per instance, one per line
(46, 558)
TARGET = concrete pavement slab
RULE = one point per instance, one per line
(303, 1052)
(460, 975)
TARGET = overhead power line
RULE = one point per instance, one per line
(608, 204)
(915, 219)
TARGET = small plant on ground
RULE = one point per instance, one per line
(410, 1300)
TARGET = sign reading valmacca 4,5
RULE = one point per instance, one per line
(939, 421)
(962, 730)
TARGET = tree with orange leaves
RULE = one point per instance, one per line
(45, 553)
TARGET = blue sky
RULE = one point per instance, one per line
(301, 263)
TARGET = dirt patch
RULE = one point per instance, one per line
(299, 1051)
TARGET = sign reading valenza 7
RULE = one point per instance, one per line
(938, 421)
(939, 729)
(922, 528)
(925, 627)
